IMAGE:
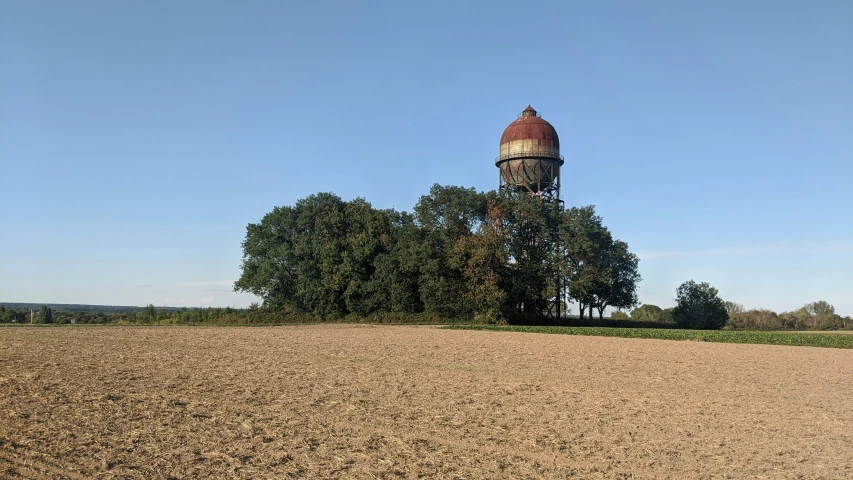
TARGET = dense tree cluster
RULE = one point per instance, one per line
(460, 254)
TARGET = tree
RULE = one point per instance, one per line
(447, 216)
(368, 235)
(818, 315)
(397, 271)
(270, 265)
(530, 229)
(619, 315)
(312, 257)
(485, 267)
(699, 306)
(621, 276)
(46, 315)
(600, 272)
(582, 237)
(820, 307)
(733, 308)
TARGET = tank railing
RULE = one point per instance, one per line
(528, 154)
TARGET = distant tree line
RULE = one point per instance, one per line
(48, 314)
(818, 315)
(461, 254)
(148, 315)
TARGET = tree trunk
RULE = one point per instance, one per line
(582, 308)
(591, 306)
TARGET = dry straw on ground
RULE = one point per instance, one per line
(408, 402)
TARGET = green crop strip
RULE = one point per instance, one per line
(827, 340)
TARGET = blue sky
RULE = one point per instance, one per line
(138, 139)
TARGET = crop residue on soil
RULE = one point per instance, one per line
(392, 402)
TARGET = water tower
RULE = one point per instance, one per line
(530, 159)
(529, 162)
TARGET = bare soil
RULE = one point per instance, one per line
(344, 401)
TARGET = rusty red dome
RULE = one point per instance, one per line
(530, 126)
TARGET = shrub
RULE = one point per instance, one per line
(757, 319)
(646, 313)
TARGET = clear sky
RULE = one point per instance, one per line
(139, 138)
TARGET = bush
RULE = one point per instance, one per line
(646, 313)
(619, 315)
(757, 319)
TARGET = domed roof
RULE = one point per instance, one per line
(531, 126)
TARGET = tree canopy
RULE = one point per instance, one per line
(698, 305)
(460, 253)
(600, 271)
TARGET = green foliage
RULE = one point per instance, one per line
(733, 308)
(818, 315)
(619, 315)
(529, 232)
(582, 234)
(318, 256)
(721, 336)
(150, 313)
(647, 313)
(485, 267)
(820, 307)
(332, 258)
(98, 314)
(758, 319)
(45, 315)
(10, 315)
(101, 314)
(698, 306)
(462, 254)
(446, 217)
(599, 270)
(398, 271)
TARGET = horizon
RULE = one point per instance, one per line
(714, 139)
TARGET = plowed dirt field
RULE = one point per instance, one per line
(343, 401)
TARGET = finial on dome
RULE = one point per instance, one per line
(528, 112)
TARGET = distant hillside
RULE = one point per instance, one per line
(78, 308)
